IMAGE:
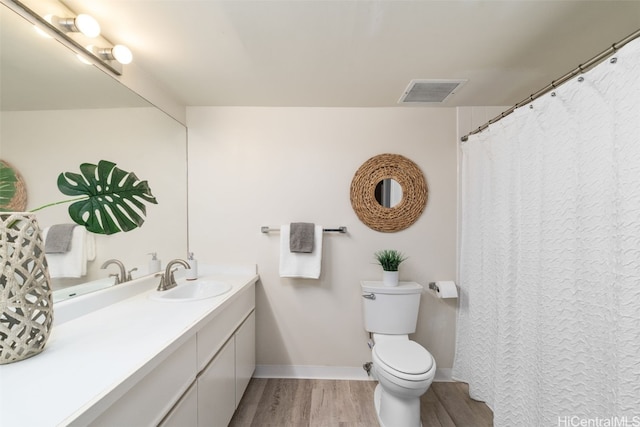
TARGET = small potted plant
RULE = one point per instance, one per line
(390, 260)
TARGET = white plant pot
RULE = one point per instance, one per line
(390, 278)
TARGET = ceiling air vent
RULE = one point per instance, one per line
(430, 91)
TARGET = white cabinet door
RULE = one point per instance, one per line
(245, 355)
(185, 413)
(221, 327)
(153, 396)
(216, 389)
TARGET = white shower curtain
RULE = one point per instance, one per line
(549, 323)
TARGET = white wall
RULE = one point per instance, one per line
(250, 167)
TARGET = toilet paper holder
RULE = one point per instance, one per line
(445, 289)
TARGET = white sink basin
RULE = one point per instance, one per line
(192, 291)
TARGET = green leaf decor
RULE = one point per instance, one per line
(389, 259)
(113, 199)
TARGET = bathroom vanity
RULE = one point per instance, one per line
(121, 356)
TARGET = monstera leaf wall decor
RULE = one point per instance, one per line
(111, 199)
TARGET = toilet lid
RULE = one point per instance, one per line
(404, 357)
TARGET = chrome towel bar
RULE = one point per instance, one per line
(342, 229)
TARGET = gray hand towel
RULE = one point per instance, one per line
(59, 239)
(301, 235)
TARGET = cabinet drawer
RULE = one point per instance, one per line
(213, 335)
(185, 413)
(147, 402)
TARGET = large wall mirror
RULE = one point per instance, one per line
(56, 113)
(388, 193)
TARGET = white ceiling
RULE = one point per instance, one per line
(357, 53)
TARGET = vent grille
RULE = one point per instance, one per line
(430, 91)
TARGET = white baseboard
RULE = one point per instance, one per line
(443, 375)
(311, 372)
(328, 372)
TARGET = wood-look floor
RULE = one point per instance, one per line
(320, 403)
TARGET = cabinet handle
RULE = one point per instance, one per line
(369, 296)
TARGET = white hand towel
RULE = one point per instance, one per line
(298, 264)
(74, 262)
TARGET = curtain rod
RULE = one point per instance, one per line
(554, 84)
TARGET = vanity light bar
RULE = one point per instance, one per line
(59, 27)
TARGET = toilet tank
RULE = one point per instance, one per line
(390, 309)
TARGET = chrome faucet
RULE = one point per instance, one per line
(123, 276)
(167, 280)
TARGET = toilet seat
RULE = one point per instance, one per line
(406, 360)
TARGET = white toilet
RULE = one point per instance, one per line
(404, 369)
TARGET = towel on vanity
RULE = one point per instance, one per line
(300, 264)
(58, 239)
(74, 262)
(301, 237)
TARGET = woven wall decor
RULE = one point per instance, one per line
(26, 304)
(414, 193)
(13, 192)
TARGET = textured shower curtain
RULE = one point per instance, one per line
(549, 320)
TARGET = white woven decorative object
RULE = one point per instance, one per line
(26, 306)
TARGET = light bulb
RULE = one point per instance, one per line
(122, 54)
(82, 23)
(87, 25)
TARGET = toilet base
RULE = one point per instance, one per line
(398, 420)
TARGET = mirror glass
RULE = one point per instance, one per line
(388, 193)
(57, 113)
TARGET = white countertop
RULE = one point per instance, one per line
(92, 360)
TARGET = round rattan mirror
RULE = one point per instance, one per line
(13, 192)
(363, 193)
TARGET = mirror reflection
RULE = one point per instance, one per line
(388, 193)
(56, 113)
